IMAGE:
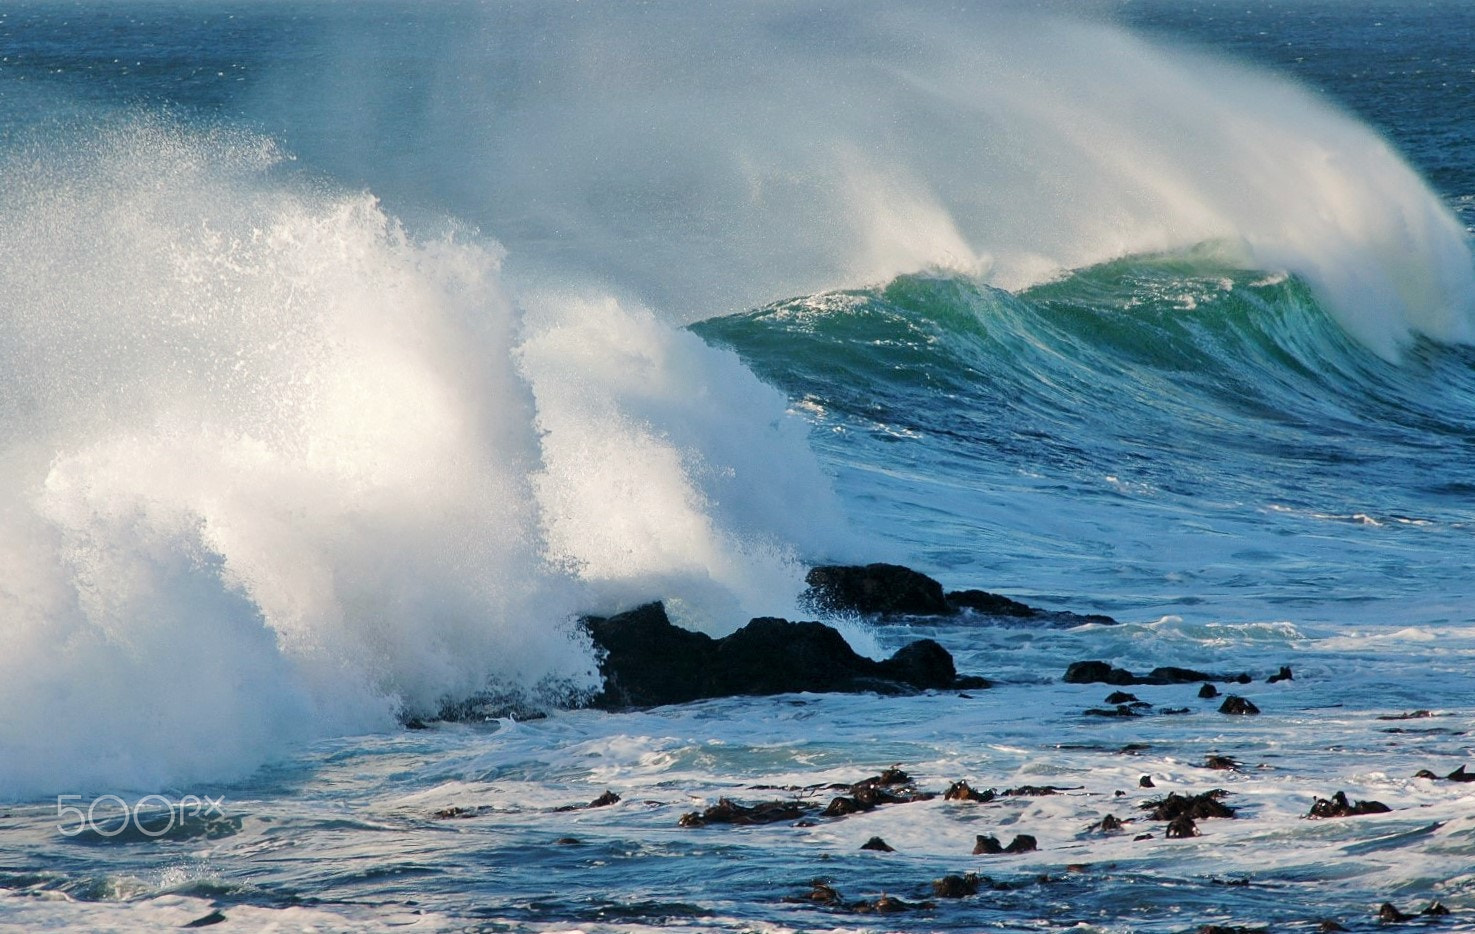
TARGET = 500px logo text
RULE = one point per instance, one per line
(152, 815)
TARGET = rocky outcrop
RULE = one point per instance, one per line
(876, 590)
(893, 590)
(1338, 806)
(647, 661)
(1098, 672)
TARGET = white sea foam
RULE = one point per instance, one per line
(272, 468)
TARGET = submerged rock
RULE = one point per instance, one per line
(1388, 913)
(954, 886)
(647, 661)
(603, 801)
(1181, 827)
(962, 791)
(887, 904)
(213, 918)
(727, 811)
(894, 590)
(992, 604)
(1338, 806)
(1125, 711)
(1195, 807)
(820, 893)
(1411, 715)
(989, 845)
(878, 845)
(1099, 672)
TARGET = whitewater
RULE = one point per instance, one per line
(349, 353)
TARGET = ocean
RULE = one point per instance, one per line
(350, 352)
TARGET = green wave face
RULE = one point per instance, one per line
(1152, 398)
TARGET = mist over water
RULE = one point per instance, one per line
(276, 464)
(712, 161)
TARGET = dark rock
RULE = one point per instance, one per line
(1141, 836)
(1435, 910)
(1389, 914)
(962, 791)
(1174, 711)
(1037, 791)
(457, 812)
(1221, 763)
(1122, 697)
(988, 845)
(892, 786)
(1196, 807)
(990, 604)
(1283, 675)
(1181, 827)
(877, 844)
(648, 661)
(1339, 806)
(1208, 691)
(886, 905)
(568, 841)
(1169, 674)
(1145, 782)
(727, 811)
(775, 656)
(820, 893)
(415, 723)
(603, 801)
(922, 664)
(1099, 672)
(876, 589)
(1241, 706)
(214, 917)
(1412, 715)
(956, 886)
(1122, 711)
(1329, 927)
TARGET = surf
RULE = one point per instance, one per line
(307, 429)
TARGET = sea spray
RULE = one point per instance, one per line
(711, 161)
(275, 469)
